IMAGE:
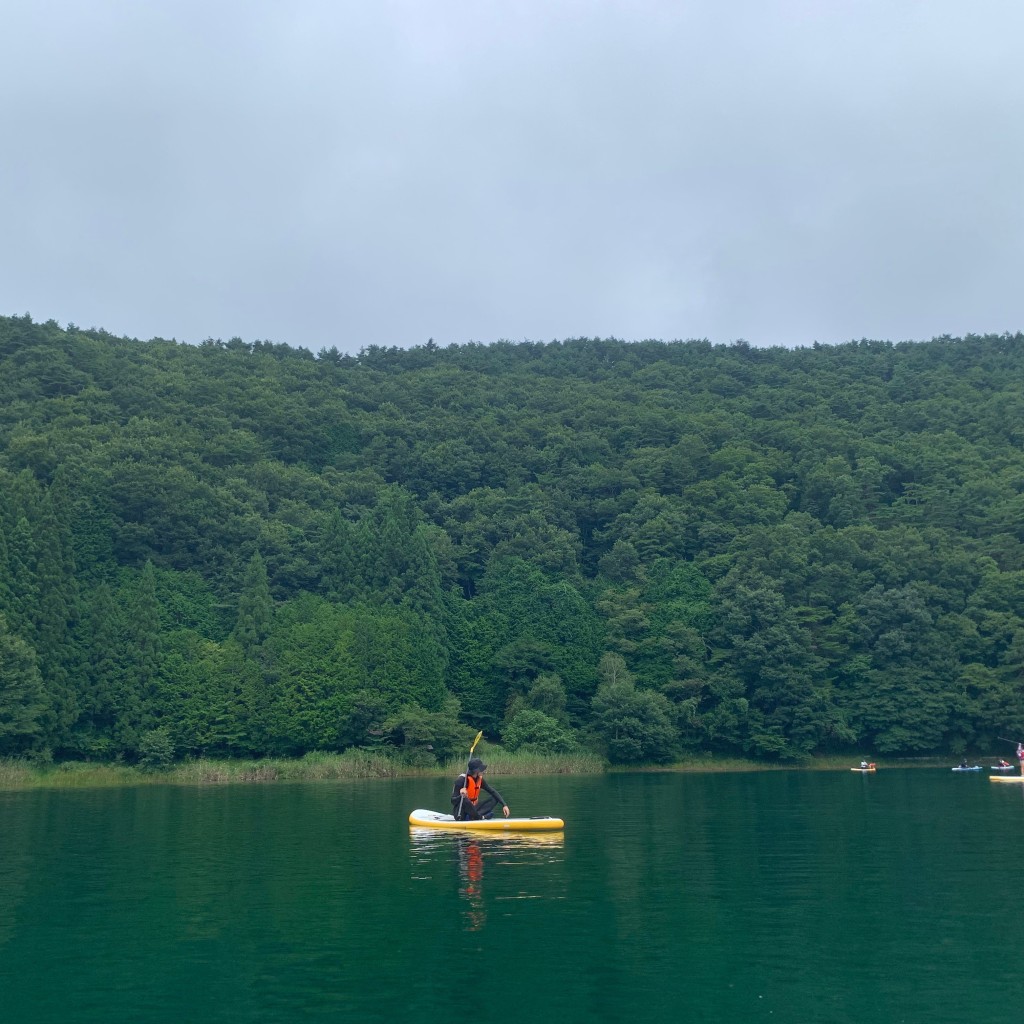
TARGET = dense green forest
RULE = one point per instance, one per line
(642, 549)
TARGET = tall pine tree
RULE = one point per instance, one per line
(22, 703)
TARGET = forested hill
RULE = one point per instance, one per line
(643, 548)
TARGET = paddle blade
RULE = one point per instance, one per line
(476, 741)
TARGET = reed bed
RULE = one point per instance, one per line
(501, 762)
(315, 766)
(16, 773)
(19, 773)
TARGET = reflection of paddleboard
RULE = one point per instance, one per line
(434, 819)
(425, 838)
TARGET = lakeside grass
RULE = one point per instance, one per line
(819, 763)
(19, 774)
(316, 766)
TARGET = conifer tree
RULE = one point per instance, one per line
(255, 607)
(341, 572)
(22, 703)
(102, 676)
(23, 608)
(55, 620)
(141, 655)
(5, 569)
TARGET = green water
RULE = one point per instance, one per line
(789, 896)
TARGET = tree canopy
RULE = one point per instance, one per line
(644, 548)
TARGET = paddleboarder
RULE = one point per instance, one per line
(466, 804)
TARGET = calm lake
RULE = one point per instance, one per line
(775, 896)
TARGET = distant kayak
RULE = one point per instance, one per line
(869, 768)
(964, 768)
(435, 819)
(1001, 768)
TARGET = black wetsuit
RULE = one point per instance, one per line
(482, 808)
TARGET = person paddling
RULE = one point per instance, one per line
(466, 804)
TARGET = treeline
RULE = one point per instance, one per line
(641, 549)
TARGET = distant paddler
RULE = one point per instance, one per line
(1020, 759)
(1020, 751)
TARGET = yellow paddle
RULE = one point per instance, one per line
(462, 796)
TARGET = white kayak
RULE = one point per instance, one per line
(964, 768)
(435, 819)
(1001, 768)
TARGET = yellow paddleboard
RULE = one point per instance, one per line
(434, 819)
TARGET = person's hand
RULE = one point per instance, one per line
(463, 791)
(505, 810)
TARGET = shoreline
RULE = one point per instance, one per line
(18, 775)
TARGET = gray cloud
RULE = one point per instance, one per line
(335, 173)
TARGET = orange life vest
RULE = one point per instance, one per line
(472, 788)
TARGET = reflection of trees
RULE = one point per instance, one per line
(19, 838)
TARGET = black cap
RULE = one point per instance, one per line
(476, 765)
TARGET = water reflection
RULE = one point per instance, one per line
(427, 844)
(434, 852)
(18, 838)
(471, 877)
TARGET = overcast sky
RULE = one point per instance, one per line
(381, 172)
